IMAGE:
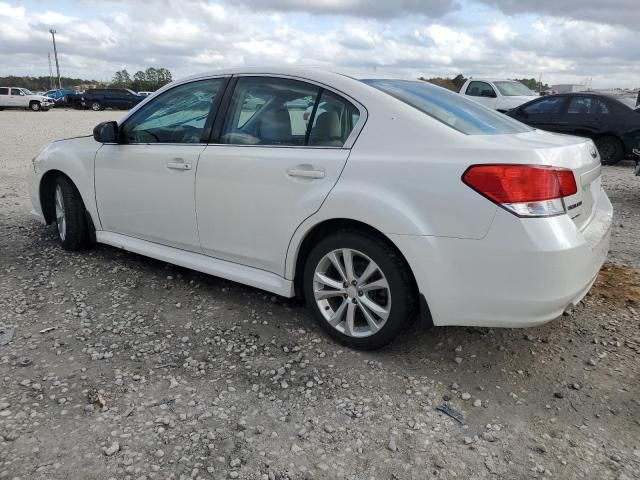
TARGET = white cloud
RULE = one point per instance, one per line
(7, 11)
(194, 35)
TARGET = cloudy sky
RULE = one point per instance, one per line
(562, 40)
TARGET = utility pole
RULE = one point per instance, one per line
(55, 53)
(51, 84)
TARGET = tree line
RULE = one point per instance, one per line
(43, 83)
(148, 80)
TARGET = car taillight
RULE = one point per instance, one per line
(524, 190)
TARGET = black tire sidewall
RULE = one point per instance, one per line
(36, 105)
(619, 149)
(76, 234)
(403, 295)
(96, 109)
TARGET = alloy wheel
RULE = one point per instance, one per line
(352, 293)
(61, 219)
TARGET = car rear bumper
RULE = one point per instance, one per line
(525, 272)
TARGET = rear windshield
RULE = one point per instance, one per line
(452, 109)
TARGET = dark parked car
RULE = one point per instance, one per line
(101, 98)
(612, 125)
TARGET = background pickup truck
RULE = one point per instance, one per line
(501, 95)
(101, 98)
(16, 97)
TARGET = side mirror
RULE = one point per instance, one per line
(106, 132)
(488, 93)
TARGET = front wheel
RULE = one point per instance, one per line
(96, 106)
(71, 222)
(359, 288)
(35, 106)
(611, 149)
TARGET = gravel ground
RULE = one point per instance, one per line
(128, 368)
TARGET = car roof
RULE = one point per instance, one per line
(492, 80)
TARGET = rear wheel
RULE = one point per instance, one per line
(359, 289)
(35, 106)
(96, 106)
(71, 222)
(611, 149)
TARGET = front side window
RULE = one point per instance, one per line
(580, 106)
(177, 116)
(480, 89)
(549, 105)
(447, 107)
(16, 91)
(513, 89)
(269, 111)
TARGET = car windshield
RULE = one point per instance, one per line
(513, 89)
(27, 91)
(454, 110)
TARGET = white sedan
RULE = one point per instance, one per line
(394, 199)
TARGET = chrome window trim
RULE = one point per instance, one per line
(348, 144)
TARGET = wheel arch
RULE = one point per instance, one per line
(326, 227)
(618, 137)
(46, 191)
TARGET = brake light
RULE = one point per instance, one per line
(524, 190)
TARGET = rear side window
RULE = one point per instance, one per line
(285, 112)
(480, 89)
(4, 91)
(602, 108)
(549, 105)
(269, 111)
(454, 110)
(581, 106)
(333, 122)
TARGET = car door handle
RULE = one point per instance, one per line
(179, 166)
(305, 171)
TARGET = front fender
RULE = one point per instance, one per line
(74, 158)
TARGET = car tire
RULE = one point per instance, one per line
(35, 106)
(70, 215)
(611, 149)
(96, 106)
(358, 315)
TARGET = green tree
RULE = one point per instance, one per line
(121, 79)
(150, 79)
(139, 81)
(532, 84)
